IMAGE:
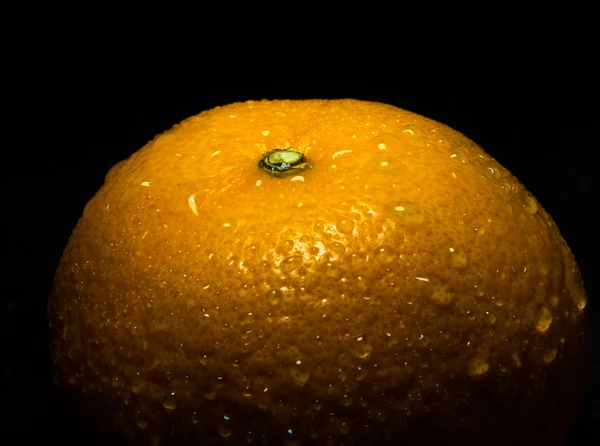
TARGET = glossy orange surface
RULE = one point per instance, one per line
(403, 288)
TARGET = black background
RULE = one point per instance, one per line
(545, 137)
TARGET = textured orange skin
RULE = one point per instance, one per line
(406, 289)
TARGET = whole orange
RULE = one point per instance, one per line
(318, 272)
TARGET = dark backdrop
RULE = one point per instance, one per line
(545, 138)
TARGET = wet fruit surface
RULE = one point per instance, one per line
(400, 287)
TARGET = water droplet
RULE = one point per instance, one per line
(530, 205)
(361, 375)
(137, 385)
(225, 431)
(300, 378)
(345, 225)
(338, 248)
(303, 294)
(457, 258)
(214, 388)
(290, 263)
(251, 251)
(579, 298)
(461, 154)
(517, 359)
(549, 355)
(347, 401)
(407, 214)
(384, 254)
(169, 401)
(477, 366)
(319, 226)
(344, 428)
(410, 130)
(142, 424)
(363, 350)
(479, 292)
(285, 246)
(386, 141)
(332, 270)
(274, 297)
(195, 418)
(544, 320)
(357, 259)
(492, 318)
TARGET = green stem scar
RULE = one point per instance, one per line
(280, 162)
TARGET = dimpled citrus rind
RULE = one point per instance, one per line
(403, 286)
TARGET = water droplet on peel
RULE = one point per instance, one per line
(492, 318)
(384, 254)
(461, 155)
(344, 428)
(169, 401)
(347, 401)
(549, 355)
(251, 251)
(300, 378)
(544, 320)
(343, 375)
(361, 375)
(530, 205)
(357, 259)
(195, 418)
(363, 351)
(285, 246)
(579, 298)
(410, 130)
(338, 248)
(319, 226)
(517, 359)
(274, 297)
(345, 225)
(332, 270)
(290, 263)
(142, 424)
(386, 141)
(225, 431)
(477, 366)
(457, 258)
(211, 394)
(407, 214)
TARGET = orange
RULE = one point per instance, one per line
(318, 272)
